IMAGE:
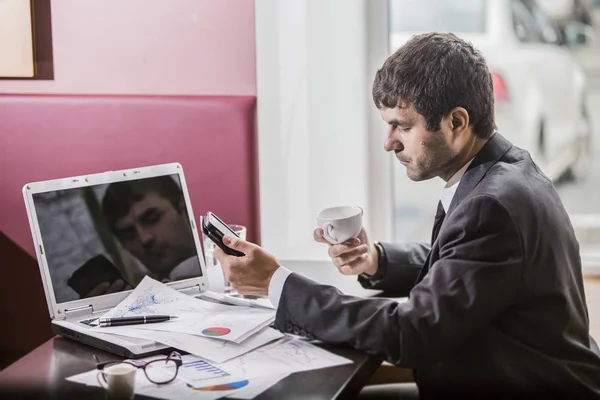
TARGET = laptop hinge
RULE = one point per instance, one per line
(190, 289)
(79, 311)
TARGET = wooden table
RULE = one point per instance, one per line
(42, 373)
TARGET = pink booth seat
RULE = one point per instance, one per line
(53, 136)
(49, 136)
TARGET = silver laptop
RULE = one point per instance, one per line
(96, 237)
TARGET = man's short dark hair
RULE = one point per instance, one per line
(120, 196)
(436, 73)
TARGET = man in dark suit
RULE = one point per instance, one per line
(496, 303)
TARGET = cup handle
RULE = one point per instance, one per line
(102, 381)
(327, 228)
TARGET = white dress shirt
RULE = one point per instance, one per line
(281, 274)
(450, 188)
(276, 285)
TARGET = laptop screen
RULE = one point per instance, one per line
(105, 238)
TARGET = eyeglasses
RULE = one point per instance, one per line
(159, 372)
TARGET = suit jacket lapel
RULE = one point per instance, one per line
(489, 155)
(494, 149)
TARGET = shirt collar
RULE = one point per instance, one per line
(448, 191)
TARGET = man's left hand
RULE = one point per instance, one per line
(250, 274)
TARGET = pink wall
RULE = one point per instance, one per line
(150, 47)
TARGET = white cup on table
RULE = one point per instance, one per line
(118, 380)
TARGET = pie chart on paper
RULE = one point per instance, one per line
(215, 332)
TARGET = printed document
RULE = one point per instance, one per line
(198, 317)
(243, 377)
(211, 349)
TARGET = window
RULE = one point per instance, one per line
(524, 23)
(577, 179)
(463, 16)
(548, 28)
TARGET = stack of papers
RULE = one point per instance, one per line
(211, 349)
(214, 331)
(243, 378)
(232, 350)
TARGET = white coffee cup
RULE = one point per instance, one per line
(118, 380)
(340, 223)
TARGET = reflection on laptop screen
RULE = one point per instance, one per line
(105, 238)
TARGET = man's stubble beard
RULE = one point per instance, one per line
(439, 157)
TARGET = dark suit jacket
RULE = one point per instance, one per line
(500, 308)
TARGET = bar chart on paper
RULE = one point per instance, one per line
(201, 370)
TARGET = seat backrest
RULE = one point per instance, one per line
(55, 136)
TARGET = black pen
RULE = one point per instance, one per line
(134, 320)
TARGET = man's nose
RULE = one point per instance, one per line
(146, 236)
(392, 143)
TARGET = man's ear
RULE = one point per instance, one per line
(459, 120)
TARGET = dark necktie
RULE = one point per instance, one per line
(437, 223)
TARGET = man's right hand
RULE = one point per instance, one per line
(354, 256)
(106, 288)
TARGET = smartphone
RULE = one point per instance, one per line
(215, 229)
(95, 271)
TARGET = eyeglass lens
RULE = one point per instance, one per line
(161, 371)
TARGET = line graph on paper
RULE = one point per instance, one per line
(285, 356)
(281, 356)
(239, 364)
(297, 351)
(300, 355)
